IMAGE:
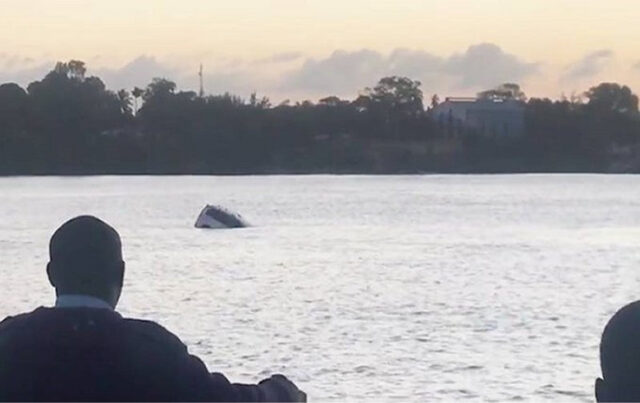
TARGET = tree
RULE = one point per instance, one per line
(305, 104)
(503, 92)
(69, 122)
(332, 101)
(399, 94)
(73, 69)
(262, 103)
(124, 98)
(67, 103)
(13, 127)
(137, 93)
(159, 88)
(612, 97)
(391, 109)
(435, 101)
(13, 108)
(68, 111)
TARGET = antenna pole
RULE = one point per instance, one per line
(201, 85)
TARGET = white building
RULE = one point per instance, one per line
(489, 117)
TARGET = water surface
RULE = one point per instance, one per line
(360, 287)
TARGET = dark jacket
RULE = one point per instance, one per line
(71, 354)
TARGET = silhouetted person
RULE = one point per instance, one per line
(83, 350)
(620, 357)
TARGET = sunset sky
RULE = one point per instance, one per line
(308, 49)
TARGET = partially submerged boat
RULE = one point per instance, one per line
(216, 217)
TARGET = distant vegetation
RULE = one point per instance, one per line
(68, 123)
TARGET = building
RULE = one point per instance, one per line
(488, 117)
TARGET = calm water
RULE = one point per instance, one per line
(404, 287)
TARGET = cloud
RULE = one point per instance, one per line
(281, 58)
(25, 76)
(486, 65)
(636, 65)
(415, 64)
(22, 69)
(137, 73)
(343, 72)
(241, 83)
(292, 75)
(12, 61)
(233, 75)
(589, 66)
(227, 76)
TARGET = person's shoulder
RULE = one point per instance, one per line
(8, 322)
(15, 328)
(153, 332)
(12, 322)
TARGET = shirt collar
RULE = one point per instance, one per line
(81, 301)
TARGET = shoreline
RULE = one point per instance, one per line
(319, 173)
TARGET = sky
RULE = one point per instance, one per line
(308, 49)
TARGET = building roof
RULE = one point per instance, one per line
(460, 99)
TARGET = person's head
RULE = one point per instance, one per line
(85, 257)
(620, 357)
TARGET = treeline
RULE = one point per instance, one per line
(70, 123)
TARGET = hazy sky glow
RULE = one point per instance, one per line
(301, 49)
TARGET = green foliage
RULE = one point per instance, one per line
(612, 97)
(399, 95)
(73, 70)
(13, 108)
(69, 122)
(503, 92)
(435, 101)
(125, 101)
(159, 89)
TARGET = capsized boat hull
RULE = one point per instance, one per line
(217, 217)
